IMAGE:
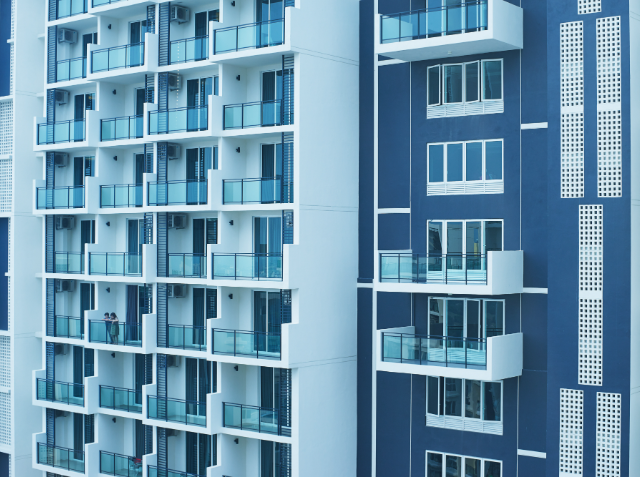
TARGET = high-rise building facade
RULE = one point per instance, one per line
(497, 318)
(197, 213)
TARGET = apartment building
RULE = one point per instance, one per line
(498, 190)
(194, 193)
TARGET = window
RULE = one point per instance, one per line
(471, 319)
(448, 465)
(473, 167)
(464, 237)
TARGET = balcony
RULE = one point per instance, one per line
(60, 457)
(115, 264)
(247, 266)
(117, 57)
(252, 418)
(495, 358)
(68, 8)
(118, 129)
(467, 28)
(177, 410)
(187, 265)
(253, 115)
(187, 192)
(246, 344)
(68, 327)
(68, 70)
(188, 50)
(153, 471)
(121, 399)
(188, 337)
(61, 132)
(249, 36)
(60, 392)
(69, 262)
(124, 334)
(177, 120)
(496, 273)
(120, 465)
(120, 196)
(60, 198)
(100, 3)
(252, 191)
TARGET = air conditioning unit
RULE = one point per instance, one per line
(176, 291)
(179, 14)
(66, 35)
(176, 221)
(61, 348)
(65, 222)
(173, 361)
(60, 413)
(60, 159)
(62, 96)
(175, 82)
(173, 151)
(65, 285)
(172, 432)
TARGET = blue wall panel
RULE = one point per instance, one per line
(533, 467)
(394, 232)
(5, 48)
(394, 310)
(532, 432)
(365, 379)
(393, 424)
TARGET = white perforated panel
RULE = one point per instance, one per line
(572, 130)
(608, 434)
(5, 398)
(590, 349)
(5, 361)
(591, 220)
(609, 153)
(5, 419)
(571, 65)
(6, 127)
(608, 33)
(588, 6)
(571, 403)
(6, 171)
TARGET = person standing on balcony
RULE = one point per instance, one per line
(115, 328)
(107, 322)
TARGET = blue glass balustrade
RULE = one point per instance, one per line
(60, 197)
(252, 191)
(434, 350)
(68, 8)
(177, 410)
(252, 35)
(61, 457)
(187, 265)
(121, 399)
(117, 57)
(115, 264)
(252, 115)
(68, 327)
(188, 337)
(60, 392)
(67, 70)
(60, 132)
(99, 3)
(189, 49)
(251, 418)
(120, 465)
(247, 266)
(464, 17)
(115, 196)
(433, 268)
(188, 119)
(177, 193)
(248, 344)
(153, 471)
(127, 127)
(122, 334)
(69, 262)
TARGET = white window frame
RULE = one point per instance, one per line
(488, 60)
(464, 180)
(464, 81)
(440, 73)
(483, 301)
(441, 80)
(445, 454)
(464, 394)
(464, 235)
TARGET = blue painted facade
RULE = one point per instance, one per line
(5, 49)
(536, 220)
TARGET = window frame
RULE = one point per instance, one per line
(464, 222)
(464, 74)
(439, 67)
(464, 180)
(463, 457)
(489, 60)
(483, 311)
(441, 406)
(442, 84)
(481, 81)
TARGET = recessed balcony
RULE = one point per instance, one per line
(116, 334)
(120, 465)
(119, 129)
(120, 196)
(252, 191)
(263, 420)
(188, 50)
(61, 132)
(60, 457)
(187, 337)
(181, 192)
(72, 69)
(247, 266)
(69, 263)
(189, 119)
(250, 36)
(247, 344)
(117, 57)
(71, 197)
(467, 28)
(68, 327)
(180, 411)
(120, 264)
(155, 471)
(69, 8)
(254, 115)
(121, 399)
(60, 392)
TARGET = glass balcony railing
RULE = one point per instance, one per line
(253, 115)
(128, 127)
(251, 418)
(463, 17)
(60, 198)
(61, 457)
(252, 191)
(115, 264)
(177, 410)
(177, 193)
(252, 35)
(121, 399)
(153, 471)
(117, 57)
(189, 49)
(120, 334)
(67, 70)
(69, 262)
(247, 266)
(187, 265)
(60, 392)
(434, 350)
(68, 8)
(188, 337)
(99, 3)
(120, 465)
(116, 196)
(68, 327)
(189, 119)
(61, 132)
(249, 344)
(433, 268)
